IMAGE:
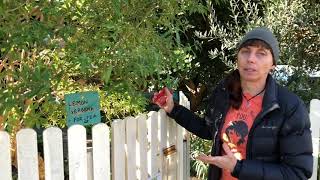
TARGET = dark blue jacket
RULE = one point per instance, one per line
(279, 143)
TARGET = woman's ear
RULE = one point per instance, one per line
(272, 68)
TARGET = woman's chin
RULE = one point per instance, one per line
(249, 78)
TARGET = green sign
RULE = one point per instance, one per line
(83, 108)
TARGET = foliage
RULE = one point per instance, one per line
(118, 48)
(198, 146)
(299, 36)
(225, 31)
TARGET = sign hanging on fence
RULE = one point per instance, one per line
(83, 108)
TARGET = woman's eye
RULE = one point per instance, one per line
(262, 53)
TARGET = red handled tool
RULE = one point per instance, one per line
(160, 97)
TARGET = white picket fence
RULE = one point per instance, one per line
(315, 127)
(139, 150)
(146, 147)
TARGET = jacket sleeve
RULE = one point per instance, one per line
(193, 123)
(296, 161)
(201, 127)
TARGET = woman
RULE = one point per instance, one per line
(259, 129)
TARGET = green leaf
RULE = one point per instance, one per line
(106, 75)
(116, 4)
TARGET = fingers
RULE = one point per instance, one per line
(167, 91)
(204, 158)
(157, 103)
(227, 149)
(225, 162)
(164, 99)
(169, 95)
(215, 160)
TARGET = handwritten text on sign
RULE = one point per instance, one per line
(83, 108)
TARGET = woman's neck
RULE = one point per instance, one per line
(252, 88)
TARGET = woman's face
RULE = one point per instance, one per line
(234, 137)
(254, 63)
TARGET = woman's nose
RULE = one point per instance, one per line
(251, 57)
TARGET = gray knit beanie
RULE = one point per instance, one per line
(264, 34)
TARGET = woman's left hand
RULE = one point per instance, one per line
(226, 162)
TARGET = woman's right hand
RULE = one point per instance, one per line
(164, 99)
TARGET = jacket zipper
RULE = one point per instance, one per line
(218, 129)
(216, 139)
(260, 116)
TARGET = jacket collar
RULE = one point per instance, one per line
(270, 97)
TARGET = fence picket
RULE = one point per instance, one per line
(185, 169)
(118, 150)
(153, 139)
(131, 138)
(179, 143)
(179, 148)
(315, 125)
(101, 152)
(171, 163)
(5, 157)
(53, 154)
(77, 152)
(163, 142)
(143, 144)
(27, 154)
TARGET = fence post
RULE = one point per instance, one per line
(27, 154)
(315, 125)
(53, 154)
(5, 157)
(89, 162)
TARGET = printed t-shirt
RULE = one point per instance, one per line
(235, 130)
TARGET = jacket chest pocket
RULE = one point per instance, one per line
(265, 140)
